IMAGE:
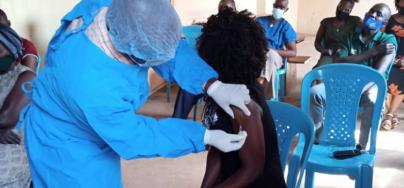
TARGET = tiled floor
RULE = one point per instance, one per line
(187, 172)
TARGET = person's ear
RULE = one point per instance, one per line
(8, 23)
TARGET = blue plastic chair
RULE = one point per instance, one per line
(191, 33)
(343, 86)
(280, 81)
(287, 128)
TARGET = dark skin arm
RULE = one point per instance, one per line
(213, 165)
(14, 102)
(290, 50)
(252, 154)
(30, 61)
(317, 43)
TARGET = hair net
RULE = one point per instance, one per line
(147, 29)
(11, 41)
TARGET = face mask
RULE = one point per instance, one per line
(372, 24)
(5, 63)
(342, 15)
(277, 13)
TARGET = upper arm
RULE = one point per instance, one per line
(320, 33)
(15, 101)
(252, 154)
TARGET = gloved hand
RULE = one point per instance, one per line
(223, 141)
(230, 94)
(9, 137)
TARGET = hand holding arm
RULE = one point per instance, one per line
(229, 94)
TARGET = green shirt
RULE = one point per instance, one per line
(336, 36)
(355, 45)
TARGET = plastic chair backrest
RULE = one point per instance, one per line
(192, 32)
(344, 84)
(289, 122)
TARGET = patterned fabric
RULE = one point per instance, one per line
(8, 80)
(98, 33)
(14, 169)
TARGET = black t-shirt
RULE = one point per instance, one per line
(397, 29)
(216, 118)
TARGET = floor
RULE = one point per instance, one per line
(188, 171)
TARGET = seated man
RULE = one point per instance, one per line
(234, 45)
(370, 47)
(281, 39)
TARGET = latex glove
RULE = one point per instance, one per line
(9, 137)
(230, 94)
(223, 141)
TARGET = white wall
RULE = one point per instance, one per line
(200, 10)
(311, 12)
(36, 20)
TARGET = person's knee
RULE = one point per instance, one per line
(317, 94)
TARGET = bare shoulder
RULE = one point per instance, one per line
(255, 109)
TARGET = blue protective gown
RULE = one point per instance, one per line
(83, 119)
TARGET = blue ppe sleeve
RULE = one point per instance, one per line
(135, 136)
(187, 69)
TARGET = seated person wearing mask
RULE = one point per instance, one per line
(29, 52)
(370, 47)
(334, 30)
(395, 26)
(235, 46)
(281, 39)
(13, 159)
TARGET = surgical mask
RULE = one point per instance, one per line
(341, 15)
(277, 13)
(5, 63)
(371, 23)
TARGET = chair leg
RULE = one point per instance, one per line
(309, 180)
(293, 170)
(366, 176)
(282, 86)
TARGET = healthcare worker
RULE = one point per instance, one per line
(83, 119)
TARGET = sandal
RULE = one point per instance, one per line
(395, 121)
(387, 122)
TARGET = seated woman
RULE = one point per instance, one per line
(14, 163)
(333, 31)
(235, 46)
(395, 82)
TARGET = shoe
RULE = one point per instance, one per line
(387, 122)
(395, 121)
